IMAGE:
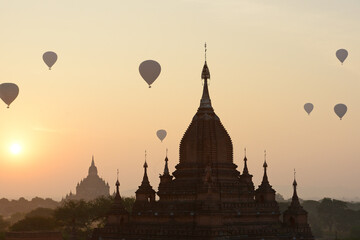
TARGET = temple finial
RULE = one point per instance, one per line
(205, 72)
(295, 198)
(265, 178)
(166, 168)
(117, 184)
(145, 164)
(92, 160)
(245, 171)
(265, 164)
(205, 102)
(145, 178)
(205, 51)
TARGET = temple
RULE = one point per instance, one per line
(206, 197)
(90, 187)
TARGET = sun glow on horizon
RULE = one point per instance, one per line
(15, 148)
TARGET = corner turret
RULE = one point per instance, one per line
(117, 214)
(145, 194)
(295, 217)
(247, 185)
(265, 192)
(165, 181)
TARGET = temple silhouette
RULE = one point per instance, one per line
(206, 197)
(90, 187)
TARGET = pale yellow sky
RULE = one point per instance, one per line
(266, 58)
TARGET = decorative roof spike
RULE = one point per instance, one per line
(295, 196)
(205, 101)
(205, 72)
(145, 164)
(246, 171)
(117, 184)
(205, 51)
(166, 169)
(265, 178)
(145, 178)
(265, 164)
(92, 161)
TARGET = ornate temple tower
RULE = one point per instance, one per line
(118, 216)
(90, 187)
(206, 197)
(247, 185)
(145, 195)
(295, 215)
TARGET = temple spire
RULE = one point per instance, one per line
(265, 178)
(145, 178)
(245, 171)
(117, 184)
(166, 169)
(205, 101)
(92, 168)
(295, 196)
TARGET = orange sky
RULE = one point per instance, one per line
(267, 59)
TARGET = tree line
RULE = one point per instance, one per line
(74, 218)
(331, 218)
(328, 218)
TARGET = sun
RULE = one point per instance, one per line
(15, 148)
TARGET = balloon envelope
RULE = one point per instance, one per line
(341, 54)
(308, 107)
(161, 134)
(340, 110)
(50, 59)
(149, 71)
(8, 92)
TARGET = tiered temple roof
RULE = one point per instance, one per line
(90, 187)
(206, 197)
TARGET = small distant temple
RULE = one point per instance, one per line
(206, 197)
(90, 187)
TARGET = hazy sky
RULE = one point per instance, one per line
(266, 59)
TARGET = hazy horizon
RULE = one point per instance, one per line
(266, 59)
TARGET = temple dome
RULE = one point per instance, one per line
(206, 140)
(92, 186)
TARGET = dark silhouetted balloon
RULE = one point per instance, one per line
(161, 134)
(50, 59)
(149, 71)
(308, 107)
(340, 110)
(8, 92)
(341, 54)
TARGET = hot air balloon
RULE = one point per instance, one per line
(149, 71)
(50, 59)
(341, 54)
(161, 134)
(308, 107)
(8, 92)
(340, 110)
